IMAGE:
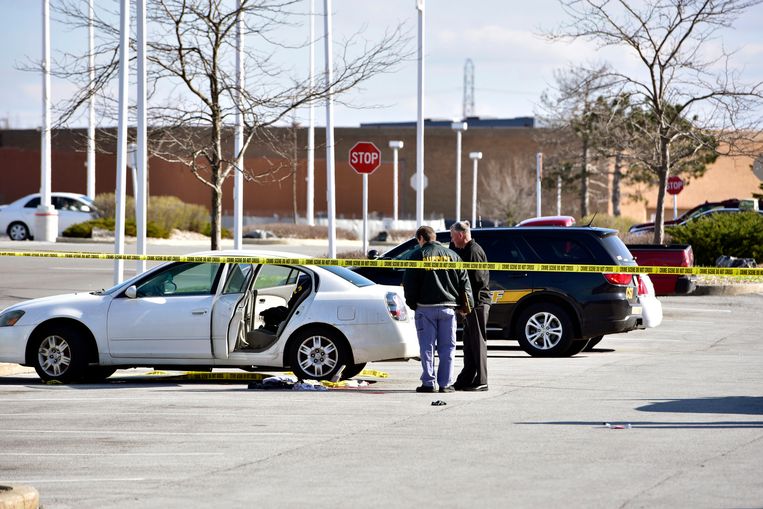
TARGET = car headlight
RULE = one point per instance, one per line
(10, 318)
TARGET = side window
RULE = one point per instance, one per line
(560, 250)
(33, 203)
(504, 250)
(238, 275)
(181, 279)
(275, 275)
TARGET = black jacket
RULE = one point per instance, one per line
(439, 287)
(479, 279)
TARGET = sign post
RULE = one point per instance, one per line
(365, 157)
(675, 186)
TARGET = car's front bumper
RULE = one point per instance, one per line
(13, 341)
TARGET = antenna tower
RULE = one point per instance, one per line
(468, 110)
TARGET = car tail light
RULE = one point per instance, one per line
(619, 279)
(396, 307)
(642, 290)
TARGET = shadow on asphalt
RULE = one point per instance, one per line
(745, 405)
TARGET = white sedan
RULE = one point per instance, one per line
(17, 219)
(317, 320)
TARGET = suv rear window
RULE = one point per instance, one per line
(617, 250)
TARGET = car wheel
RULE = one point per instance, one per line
(95, 374)
(317, 354)
(353, 370)
(60, 355)
(18, 231)
(545, 330)
(593, 342)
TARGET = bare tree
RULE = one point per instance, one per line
(507, 189)
(578, 105)
(193, 94)
(686, 92)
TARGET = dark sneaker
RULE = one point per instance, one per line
(448, 388)
(471, 388)
(425, 388)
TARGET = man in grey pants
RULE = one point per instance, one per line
(473, 376)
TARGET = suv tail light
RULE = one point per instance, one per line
(619, 279)
(642, 290)
(396, 307)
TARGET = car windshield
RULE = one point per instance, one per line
(348, 275)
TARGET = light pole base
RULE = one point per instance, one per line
(46, 223)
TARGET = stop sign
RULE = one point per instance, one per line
(365, 157)
(675, 185)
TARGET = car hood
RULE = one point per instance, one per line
(69, 299)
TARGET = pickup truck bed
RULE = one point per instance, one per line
(670, 255)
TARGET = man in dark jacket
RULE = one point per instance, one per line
(473, 376)
(434, 295)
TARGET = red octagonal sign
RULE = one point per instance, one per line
(675, 185)
(365, 157)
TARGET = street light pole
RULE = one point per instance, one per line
(141, 154)
(459, 127)
(420, 121)
(124, 63)
(475, 157)
(238, 140)
(538, 177)
(395, 145)
(330, 163)
(90, 103)
(46, 216)
(310, 206)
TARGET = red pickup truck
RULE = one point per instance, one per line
(671, 255)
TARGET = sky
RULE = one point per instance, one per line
(513, 63)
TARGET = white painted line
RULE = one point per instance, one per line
(112, 454)
(115, 479)
(162, 433)
(695, 310)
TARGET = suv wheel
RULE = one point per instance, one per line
(545, 330)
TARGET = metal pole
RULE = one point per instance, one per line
(395, 145)
(91, 103)
(310, 209)
(365, 213)
(675, 206)
(119, 230)
(141, 191)
(46, 216)
(238, 140)
(459, 127)
(538, 177)
(330, 164)
(420, 121)
(558, 195)
(474, 194)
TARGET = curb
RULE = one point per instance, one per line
(13, 369)
(19, 497)
(739, 289)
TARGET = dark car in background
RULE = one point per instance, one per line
(689, 214)
(551, 314)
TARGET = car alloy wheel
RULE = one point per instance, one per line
(317, 355)
(545, 330)
(18, 231)
(54, 356)
(60, 355)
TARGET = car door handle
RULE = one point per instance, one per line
(199, 312)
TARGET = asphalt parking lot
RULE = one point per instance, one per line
(683, 402)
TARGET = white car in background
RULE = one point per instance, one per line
(17, 219)
(651, 308)
(188, 315)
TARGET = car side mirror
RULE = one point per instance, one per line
(373, 254)
(131, 292)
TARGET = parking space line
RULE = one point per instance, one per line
(695, 310)
(35, 454)
(162, 433)
(115, 479)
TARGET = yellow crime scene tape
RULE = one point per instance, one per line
(403, 264)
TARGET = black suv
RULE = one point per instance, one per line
(551, 314)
